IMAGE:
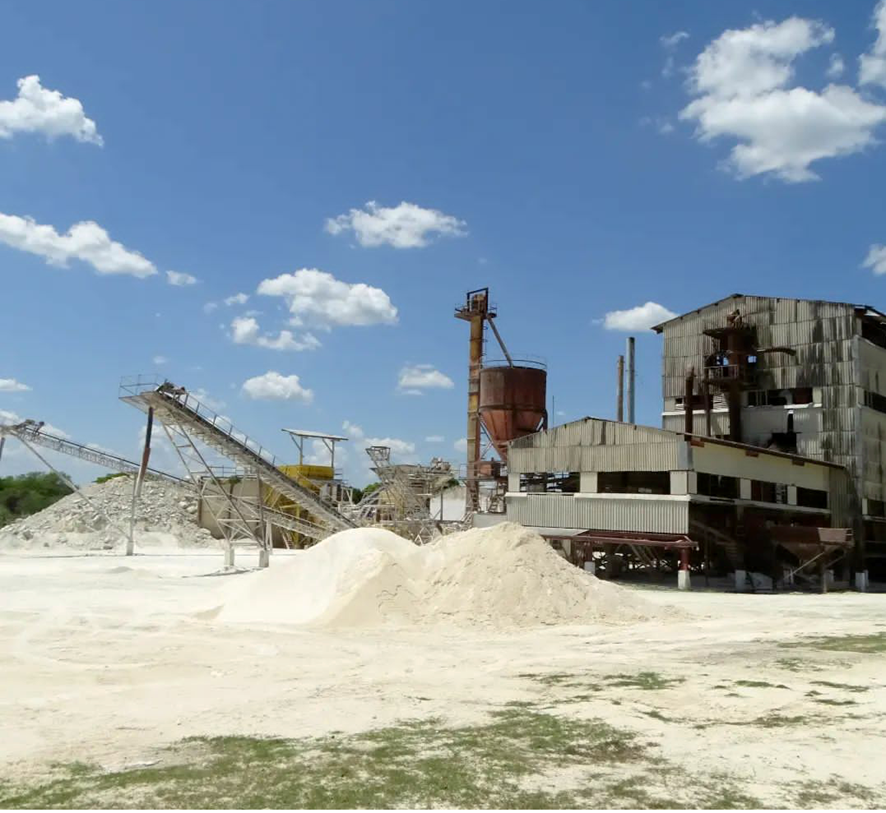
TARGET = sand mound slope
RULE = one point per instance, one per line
(501, 576)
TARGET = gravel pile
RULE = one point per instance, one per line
(166, 516)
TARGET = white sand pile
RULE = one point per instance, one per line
(501, 576)
(166, 516)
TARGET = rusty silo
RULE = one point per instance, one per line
(512, 402)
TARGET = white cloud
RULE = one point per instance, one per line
(661, 124)
(246, 330)
(209, 307)
(461, 445)
(179, 279)
(85, 241)
(205, 398)
(399, 448)
(274, 386)
(8, 417)
(159, 360)
(836, 66)
(11, 385)
(642, 317)
(872, 65)
(39, 110)
(236, 299)
(414, 378)
(404, 226)
(434, 439)
(669, 43)
(673, 40)
(876, 259)
(741, 83)
(316, 298)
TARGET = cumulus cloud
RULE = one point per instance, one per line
(836, 66)
(11, 385)
(8, 417)
(399, 448)
(461, 445)
(641, 317)
(872, 65)
(179, 279)
(876, 259)
(741, 82)
(246, 330)
(236, 299)
(317, 299)
(403, 226)
(37, 109)
(418, 377)
(434, 439)
(159, 360)
(273, 386)
(85, 241)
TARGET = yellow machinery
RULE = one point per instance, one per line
(311, 477)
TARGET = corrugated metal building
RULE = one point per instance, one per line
(643, 482)
(826, 401)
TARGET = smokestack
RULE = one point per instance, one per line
(631, 379)
(620, 391)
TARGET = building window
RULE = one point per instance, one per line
(553, 482)
(812, 498)
(763, 491)
(876, 508)
(796, 395)
(716, 485)
(634, 482)
(875, 401)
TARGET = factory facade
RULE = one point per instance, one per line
(774, 417)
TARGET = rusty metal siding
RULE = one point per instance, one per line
(603, 514)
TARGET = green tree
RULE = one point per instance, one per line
(26, 494)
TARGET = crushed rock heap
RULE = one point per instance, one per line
(503, 576)
(166, 516)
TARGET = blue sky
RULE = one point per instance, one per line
(542, 145)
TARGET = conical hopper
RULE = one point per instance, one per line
(512, 403)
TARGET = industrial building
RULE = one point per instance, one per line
(774, 418)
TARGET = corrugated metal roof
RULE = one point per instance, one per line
(784, 303)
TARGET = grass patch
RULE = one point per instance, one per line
(829, 701)
(814, 793)
(647, 681)
(797, 665)
(418, 764)
(866, 644)
(847, 687)
(760, 684)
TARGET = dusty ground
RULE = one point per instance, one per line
(105, 659)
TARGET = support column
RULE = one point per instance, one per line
(741, 578)
(683, 581)
(861, 581)
(264, 557)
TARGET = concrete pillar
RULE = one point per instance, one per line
(679, 482)
(229, 555)
(683, 582)
(792, 495)
(861, 581)
(741, 578)
(264, 557)
(744, 488)
(590, 566)
(587, 482)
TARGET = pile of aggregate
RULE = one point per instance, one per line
(504, 576)
(166, 516)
